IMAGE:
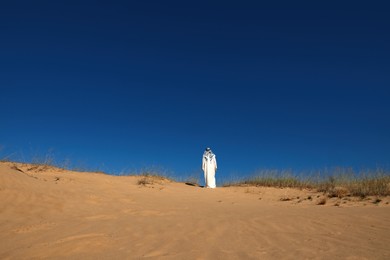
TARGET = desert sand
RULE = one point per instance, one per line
(50, 213)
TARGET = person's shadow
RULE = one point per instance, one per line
(193, 184)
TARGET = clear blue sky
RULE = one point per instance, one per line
(129, 84)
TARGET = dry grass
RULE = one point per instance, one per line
(321, 201)
(144, 181)
(153, 178)
(15, 167)
(44, 161)
(274, 178)
(340, 183)
(373, 184)
(37, 167)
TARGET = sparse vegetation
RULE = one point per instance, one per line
(336, 183)
(153, 178)
(15, 167)
(274, 178)
(321, 201)
(358, 185)
(5, 157)
(39, 162)
(339, 183)
(144, 181)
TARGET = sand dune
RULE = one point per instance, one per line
(52, 213)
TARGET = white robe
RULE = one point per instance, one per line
(209, 167)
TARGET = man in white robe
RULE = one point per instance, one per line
(209, 167)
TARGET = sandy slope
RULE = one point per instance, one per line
(52, 213)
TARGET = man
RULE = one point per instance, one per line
(209, 167)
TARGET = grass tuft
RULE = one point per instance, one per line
(149, 178)
(338, 183)
(321, 201)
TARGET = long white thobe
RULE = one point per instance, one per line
(209, 167)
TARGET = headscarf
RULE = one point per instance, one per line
(208, 154)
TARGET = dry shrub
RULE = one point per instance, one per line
(152, 178)
(15, 167)
(375, 183)
(39, 167)
(144, 181)
(339, 192)
(274, 178)
(370, 186)
(321, 201)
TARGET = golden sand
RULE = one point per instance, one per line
(52, 213)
